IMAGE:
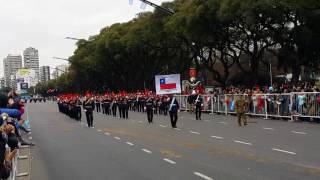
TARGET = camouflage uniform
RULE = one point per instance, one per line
(241, 107)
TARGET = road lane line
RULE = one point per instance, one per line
(106, 133)
(177, 129)
(217, 137)
(147, 151)
(169, 161)
(99, 130)
(242, 142)
(222, 122)
(284, 151)
(162, 126)
(202, 176)
(297, 132)
(193, 132)
(271, 129)
(117, 138)
(129, 143)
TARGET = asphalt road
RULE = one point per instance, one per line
(213, 148)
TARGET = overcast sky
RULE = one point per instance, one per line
(44, 24)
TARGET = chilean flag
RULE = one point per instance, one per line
(166, 84)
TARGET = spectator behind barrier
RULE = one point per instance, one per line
(6, 155)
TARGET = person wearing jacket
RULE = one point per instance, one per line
(173, 111)
(88, 107)
(198, 104)
(149, 106)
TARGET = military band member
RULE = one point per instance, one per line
(98, 104)
(88, 107)
(114, 106)
(149, 106)
(173, 111)
(198, 105)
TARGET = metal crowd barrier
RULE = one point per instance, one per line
(285, 105)
(14, 167)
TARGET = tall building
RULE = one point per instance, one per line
(59, 70)
(44, 73)
(2, 83)
(11, 64)
(31, 59)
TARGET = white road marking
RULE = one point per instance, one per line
(241, 142)
(106, 133)
(140, 122)
(99, 130)
(217, 137)
(193, 132)
(147, 151)
(202, 176)
(297, 132)
(284, 151)
(169, 161)
(177, 129)
(271, 129)
(162, 126)
(222, 122)
(129, 143)
(117, 138)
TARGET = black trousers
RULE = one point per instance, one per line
(107, 110)
(103, 108)
(165, 111)
(78, 109)
(150, 115)
(98, 107)
(89, 115)
(198, 113)
(124, 113)
(120, 111)
(114, 110)
(173, 119)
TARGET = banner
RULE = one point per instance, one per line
(168, 84)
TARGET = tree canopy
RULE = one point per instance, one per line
(224, 38)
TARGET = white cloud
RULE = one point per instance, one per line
(44, 24)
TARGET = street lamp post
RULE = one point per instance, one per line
(168, 11)
(72, 38)
(64, 59)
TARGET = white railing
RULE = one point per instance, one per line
(285, 105)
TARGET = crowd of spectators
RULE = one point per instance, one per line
(274, 89)
(11, 124)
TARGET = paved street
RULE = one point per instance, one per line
(213, 148)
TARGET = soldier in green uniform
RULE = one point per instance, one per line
(241, 107)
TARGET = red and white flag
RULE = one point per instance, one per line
(168, 84)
